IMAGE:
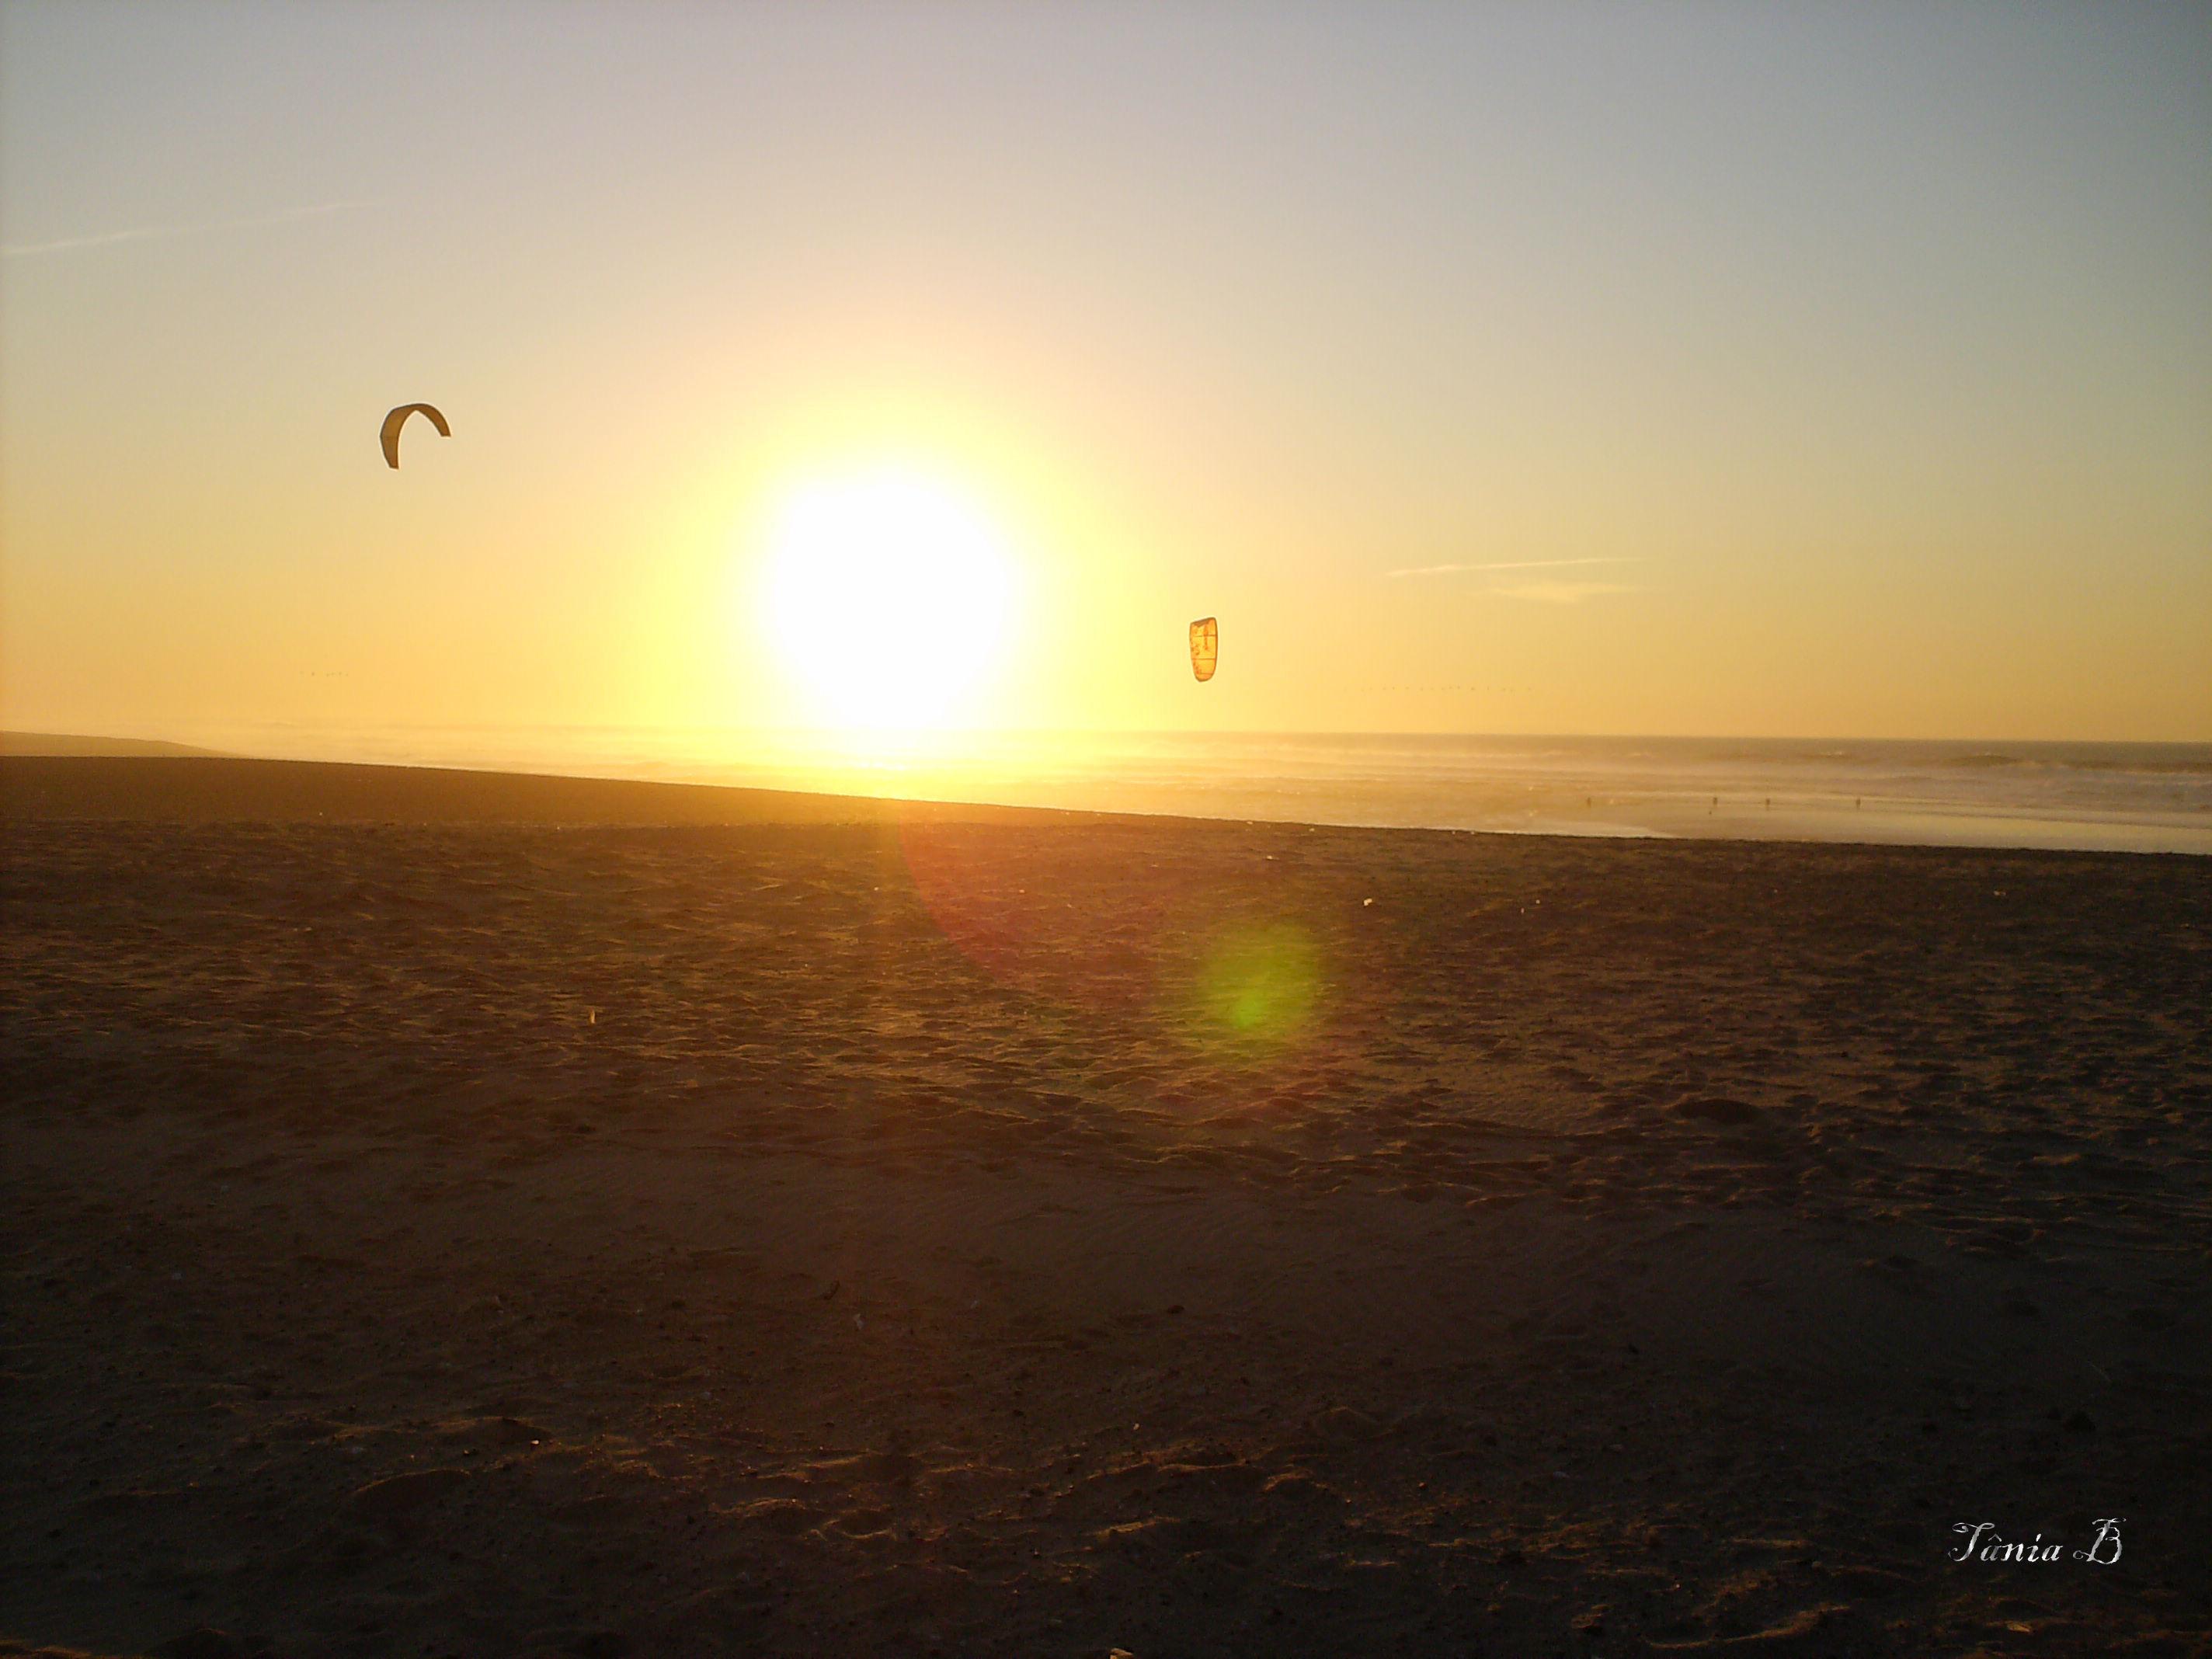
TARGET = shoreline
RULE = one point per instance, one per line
(235, 788)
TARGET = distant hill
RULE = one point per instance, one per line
(53, 743)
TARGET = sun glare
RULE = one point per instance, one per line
(889, 597)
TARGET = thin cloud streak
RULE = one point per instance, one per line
(1515, 564)
(162, 233)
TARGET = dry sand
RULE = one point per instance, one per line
(449, 1214)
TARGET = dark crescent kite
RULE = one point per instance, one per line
(397, 418)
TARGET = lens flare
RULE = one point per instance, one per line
(1260, 987)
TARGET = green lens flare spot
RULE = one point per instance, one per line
(1259, 986)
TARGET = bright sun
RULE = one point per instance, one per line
(889, 596)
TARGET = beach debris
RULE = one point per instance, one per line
(397, 418)
(1205, 647)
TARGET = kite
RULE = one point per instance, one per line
(1205, 647)
(397, 418)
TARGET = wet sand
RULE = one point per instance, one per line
(448, 1213)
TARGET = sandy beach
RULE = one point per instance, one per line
(449, 1213)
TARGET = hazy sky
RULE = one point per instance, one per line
(1837, 369)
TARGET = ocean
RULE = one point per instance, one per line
(2148, 797)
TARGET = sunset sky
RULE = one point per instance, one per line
(1827, 370)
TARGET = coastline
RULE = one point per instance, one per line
(210, 785)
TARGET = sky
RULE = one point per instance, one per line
(1820, 370)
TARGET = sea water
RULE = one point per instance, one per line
(2113, 796)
